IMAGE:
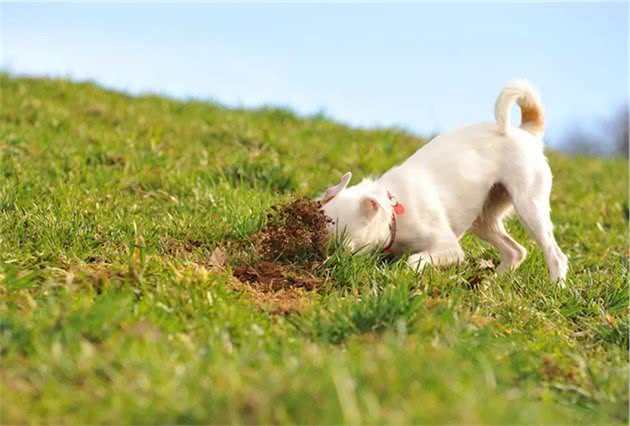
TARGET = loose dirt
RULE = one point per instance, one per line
(270, 277)
(290, 246)
(294, 233)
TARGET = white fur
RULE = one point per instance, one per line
(467, 179)
(522, 93)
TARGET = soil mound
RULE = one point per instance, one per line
(292, 243)
(295, 232)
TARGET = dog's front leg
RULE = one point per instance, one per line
(440, 257)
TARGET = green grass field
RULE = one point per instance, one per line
(114, 311)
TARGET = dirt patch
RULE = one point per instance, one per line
(179, 248)
(289, 248)
(551, 370)
(269, 277)
(281, 302)
(98, 274)
(277, 288)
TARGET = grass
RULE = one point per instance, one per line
(111, 206)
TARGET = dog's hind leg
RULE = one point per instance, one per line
(489, 227)
(512, 253)
(534, 213)
(531, 203)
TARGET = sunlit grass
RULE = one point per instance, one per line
(110, 207)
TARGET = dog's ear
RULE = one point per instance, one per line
(334, 190)
(370, 205)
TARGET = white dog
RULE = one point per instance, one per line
(463, 180)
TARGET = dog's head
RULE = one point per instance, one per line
(360, 213)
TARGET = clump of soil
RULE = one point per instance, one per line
(294, 232)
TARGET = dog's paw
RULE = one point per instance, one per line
(418, 261)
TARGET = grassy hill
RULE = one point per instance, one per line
(117, 306)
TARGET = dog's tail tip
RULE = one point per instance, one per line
(526, 97)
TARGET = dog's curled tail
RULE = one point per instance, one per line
(526, 97)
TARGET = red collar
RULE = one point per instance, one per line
(398, 209)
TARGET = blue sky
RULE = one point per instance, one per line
(424, 67)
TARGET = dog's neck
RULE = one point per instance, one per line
(378, 232)
(397, 210)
